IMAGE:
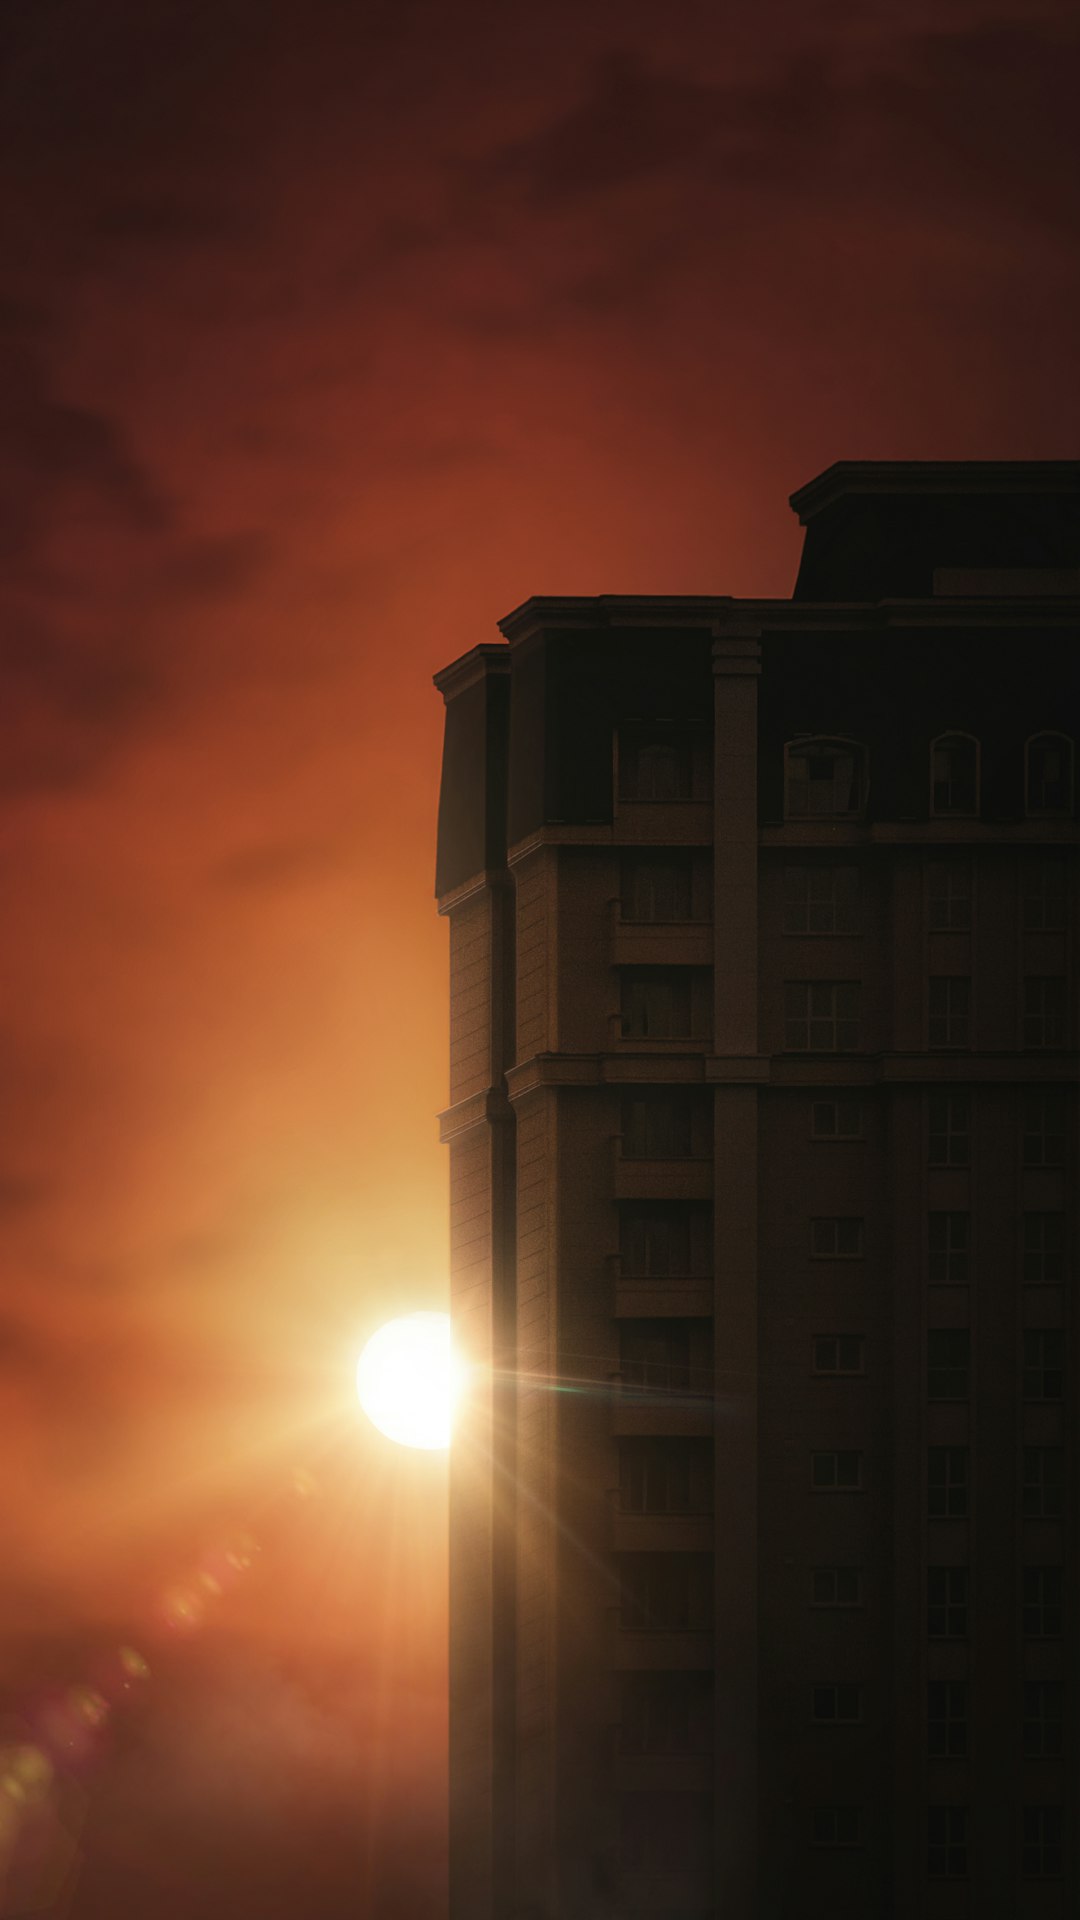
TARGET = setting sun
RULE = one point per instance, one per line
(408, 1379)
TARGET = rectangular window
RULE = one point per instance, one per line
(821, 1016)
(1044, 1719)
(657, 887)
(949, 1237)
(656, 1003)
(836, 1472)
(665, 1476)
(1044, 1363)
(665, 1239)
(662, 762)
(819, 899)
(839, 1118)
(1044, 1249)
(836, 1237)
(666, 1592)
(1042, 1843)
(949, 1129)
(948, 895)
(1044, 1596)
(949, 1011)
(1043, 1490)
(836, 1703)
(1044, 893)
(1043, 1124)
(662, 1713)
(1044, 1010)
(836, 1587)
(948, 1363)
(947, 1603)
(665, 1356)
(946, 1842)
(673, 1124)
(947, 1483)
(947, 1719)
(836, 1827)
(839, 1353)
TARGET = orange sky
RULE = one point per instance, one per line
(332, 331)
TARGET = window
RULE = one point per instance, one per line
(946, 1719)
(668, 1125)
(949, 1011)
(954, 777)
(1043, 1490)
(949, 1130)
(947, 1483)
(826, 780)
(946, 1842)
(1044, 1010)
(656, 1004)
(836, 1587)
(1044, 893)
(839, 1353)
(662, 761)
(1044, 1594)
(949, 1241)
(822, 900)
(665, 1712)
(837, 1119)
(665, 1476)
(665, 1592)
(837, 1702)
(665, 1355)
(836, 1827)
(821, 1016)
(657, 887)
(1044, 1363)
(1044, 1719)
(1044, 1249)
(659, 1239)
(836, 1238)
(947, 1603)
(1049, 759)
(1043, 1124)
(948, 896)
(948, 1363)
(1042, 1843)
(836, 1472)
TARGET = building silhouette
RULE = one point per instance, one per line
(763, 1138)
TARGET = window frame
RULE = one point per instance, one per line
(836, 1101)
(836, 1604)
(836, 1692)
(947, 1604)
(942, 740)
(807, 1020)
(947, 1694)
(947, 1842)
(953, 1022)
(834, 746)
(836, 1371)
(809, 870)
(1044, 1029)
(836, 1454)
(953, 1099)
(962, 864)
(1064, 811)
(951, 1374)
(942, 1275)
(1042, 1483)
(950, 1456)
(838, 1221)
(1035, 1602)
(1055, 1129)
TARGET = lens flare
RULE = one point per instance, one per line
(409, 1380)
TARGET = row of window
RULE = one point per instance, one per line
(948, 1361)
(673, 1239)
(673, 1593)
(823, 1016)
(664, 1474)
(674, 886)
(676, 1124)
(947, 1838)
(828, 778)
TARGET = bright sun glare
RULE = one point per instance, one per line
(409, 1379)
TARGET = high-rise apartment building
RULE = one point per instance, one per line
(765, 1569)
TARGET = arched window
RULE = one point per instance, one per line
(1048, 782)
(826, 779)
(954, 774)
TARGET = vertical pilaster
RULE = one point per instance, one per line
(736, 663)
